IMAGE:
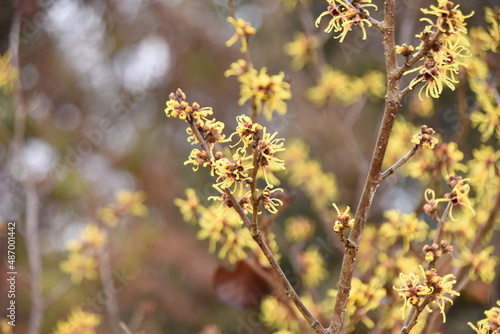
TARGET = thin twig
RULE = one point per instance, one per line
(34, 256)
(401, 162)
(125, 329)
(107, 282)
(57, 292)
(30, 190)
(413, 315)
(289, 290)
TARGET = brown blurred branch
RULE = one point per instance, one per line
(107, 284)
(30, 190)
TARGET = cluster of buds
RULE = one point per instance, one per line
(434, 252)
(178, 107)
(344, 221)
(405, 50)
(425, 138)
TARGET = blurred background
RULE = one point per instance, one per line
(95, 76)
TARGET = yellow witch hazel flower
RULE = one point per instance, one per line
(459, 196)
(344, 15)
(211, 225)
(80, 266)
(237, 68)
(79, 322)
(443, 60)
(343, 219)
(91, 238)
(132, 202)
(482, 265)
(266, 92)
(189, 206)
(271, 203)
(198, 158)
(209, 129)
(299, 229)
(312, 267)
(247, 131)
(128, 202)
(266, 151)
(234, 247)
(490, 324)
(243, 31)
(405, 226)
(449, 18)
(492, 16)
(302, 50)
(335, 84)
(231, 173)
(487, 121)
(277, 315)
(483, 167)
(432, 288)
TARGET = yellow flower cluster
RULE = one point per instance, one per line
(222, 226)
(82, 261)
(335, 85)
(243, 29)
(299, 229)
(276, 315)
(79, 322)
(482, 264)
(312, 267)
(405, 227)
(127, 203)
(445, 55)
(84, 249)
(487, 117)
(307, 174)
(266, 92)
(459, 196)
(302, 50)
(432, 288)
(491, 323)
(344, 15)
